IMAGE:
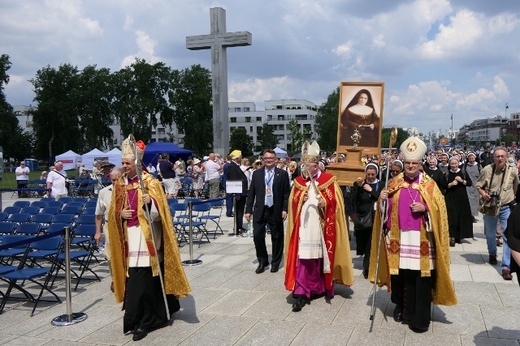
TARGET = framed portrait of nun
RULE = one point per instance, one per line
(360, 116)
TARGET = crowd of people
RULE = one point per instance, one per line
(408, 209)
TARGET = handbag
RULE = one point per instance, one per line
(364, 221)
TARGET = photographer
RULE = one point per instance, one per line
(497, 185)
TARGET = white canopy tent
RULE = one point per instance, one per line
(95, 154)
(69, 159)
(114, 156)
(280, 153)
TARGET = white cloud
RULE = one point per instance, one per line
(145, 49)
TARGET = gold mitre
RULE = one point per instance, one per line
(413, 149)
(310, 152)
(127, 148)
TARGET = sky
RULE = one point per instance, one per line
(435, 57)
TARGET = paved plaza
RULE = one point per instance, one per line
(231, 305)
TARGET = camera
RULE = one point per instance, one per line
(495, 199)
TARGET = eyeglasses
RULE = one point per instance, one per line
(411, 163)
(268, 158)
(395, 170)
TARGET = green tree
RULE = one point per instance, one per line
(508, 139)
(140, 94)
(190, 96)
(93, 97)
(327, 122)
(16, 144)
(402, 135)
(266, 137)
(297, 138)
(242, 141)
(56, 121)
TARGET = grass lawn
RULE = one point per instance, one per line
(9, 180)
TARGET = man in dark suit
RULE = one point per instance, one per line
(235, 173)
(269, 194)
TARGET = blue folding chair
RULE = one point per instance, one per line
(19, 218)
(7, 256)
(83, 237)
(52, 247)
(89, 219)
(72, 209)
(198, 226)
(39, 204)
(59, 204)
(3, 216)
(7, 227)
(66, 199)
(12, 210)
(63, 218)
(89, 211)
(27, 228)
(21, 204)
(30, 210)
(91, 203)
(51, 210)
(43, 219)
(215, 218)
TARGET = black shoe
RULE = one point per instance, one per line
(300, 303)
(493, 259)
(274, 268)
(139, 334)
(230, 215)
(398, 314)
(260, 268)
(452, 242)
(365, 273)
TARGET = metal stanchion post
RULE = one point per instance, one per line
(191, 261)
(70, 317)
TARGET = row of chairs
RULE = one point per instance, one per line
(200, 217)
(39, 260)
(44, 220)
(48, 215)
(50, 202)
(33, 188)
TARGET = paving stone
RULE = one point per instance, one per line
(486, 273)
(481, 293)
(322, 334)
(24, 341)
(508, 295)
(361, 336)
(200, 298)
(214, 277)
(502, 323)
(234, 303)
(483, 340)
(460, 272)
(458, 319)
(221, 330)
(431, 338)
(269, 332)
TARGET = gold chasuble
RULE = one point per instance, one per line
(175, 281)
(443, 291)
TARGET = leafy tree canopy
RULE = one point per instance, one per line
(327, 122)
(242, 141)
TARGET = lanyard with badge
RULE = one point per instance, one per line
(268, 192)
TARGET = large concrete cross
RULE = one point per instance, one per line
(218, 41)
